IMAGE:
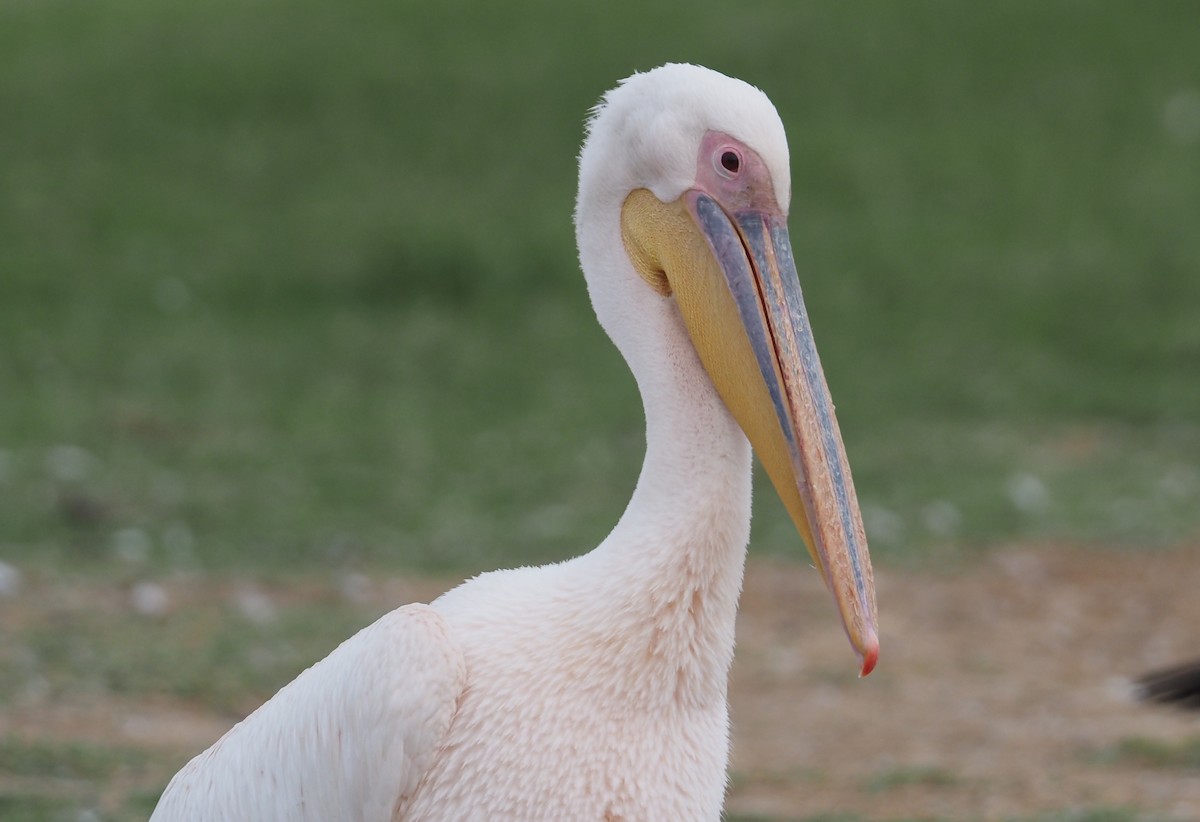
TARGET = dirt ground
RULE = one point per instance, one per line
(1003, 689)
(1000, 688)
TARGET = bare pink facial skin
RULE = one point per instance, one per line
(735, 176)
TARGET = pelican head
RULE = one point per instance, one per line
(687, 171)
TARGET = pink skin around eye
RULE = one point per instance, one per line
(749, 187)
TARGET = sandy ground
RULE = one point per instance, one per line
(1002, 690)
(999, 690)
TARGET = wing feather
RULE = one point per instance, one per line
(349, 739)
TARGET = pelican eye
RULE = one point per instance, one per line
(730, 161)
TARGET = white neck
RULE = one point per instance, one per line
(671, 570)
(693, 492)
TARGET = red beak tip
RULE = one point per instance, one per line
(870, 654)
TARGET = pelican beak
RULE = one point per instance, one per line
(734, 279)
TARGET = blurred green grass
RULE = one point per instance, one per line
(294, 284)
(1183, 754)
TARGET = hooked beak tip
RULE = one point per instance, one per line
(870, 652)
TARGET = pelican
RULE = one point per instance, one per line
(595, 689)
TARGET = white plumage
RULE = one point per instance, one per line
(591, 689)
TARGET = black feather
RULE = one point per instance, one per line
(1179, 685)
